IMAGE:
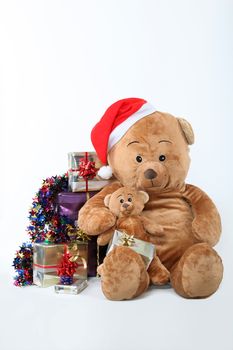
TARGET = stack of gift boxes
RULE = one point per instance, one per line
(67, 265)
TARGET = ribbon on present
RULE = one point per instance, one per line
(49, 266)
(76, 234)
(69, 263)
(80, 237)
(127, 240)
(45, 266)
(76, 255)
(87, 169)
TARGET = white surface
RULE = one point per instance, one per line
(62, 63)
(41, 319)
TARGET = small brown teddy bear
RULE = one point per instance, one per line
(127, 205)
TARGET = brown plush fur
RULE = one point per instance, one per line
(118, 283)
(198, 273)
(127, 204)
(188, 216)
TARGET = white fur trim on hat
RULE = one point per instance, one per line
(105, 172)
(121, 129)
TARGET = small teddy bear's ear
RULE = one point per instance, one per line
(187, 130)
(107, 200)
(144, 196)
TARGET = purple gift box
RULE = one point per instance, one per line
(69, 204)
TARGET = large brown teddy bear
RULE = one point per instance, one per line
(148, 150)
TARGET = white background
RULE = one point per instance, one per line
(62, 63)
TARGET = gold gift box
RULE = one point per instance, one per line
(145, 249)
(77, 183)
(47, 257)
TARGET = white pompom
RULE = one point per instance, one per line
(105, 172)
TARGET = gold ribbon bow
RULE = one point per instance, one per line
(127, 240)
(79, 234)
(76, 255)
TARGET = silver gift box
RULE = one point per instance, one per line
(145, 249)
(47, 257)
(75, 288)
(77, 183)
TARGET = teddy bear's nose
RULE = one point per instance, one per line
(125, 205)
(150, 174)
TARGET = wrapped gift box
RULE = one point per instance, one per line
(80, 163)
(47, 257)
(69, 204)
(75, 288)
(145, 249)
(96, 255)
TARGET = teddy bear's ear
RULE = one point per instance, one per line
(144, 196)
(107, 200)
(187, 130)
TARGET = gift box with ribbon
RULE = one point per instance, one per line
(145, 249)
(82, 173)
(68, 205)
(68, 284)
(47, 258)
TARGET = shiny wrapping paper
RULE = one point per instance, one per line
(75, 288)
(69, 204)
(145, 249)
(76, 182)
(47, 257)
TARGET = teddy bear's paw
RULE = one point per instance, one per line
(105, 237)
(198, 273)
(123, 274)
(98, 220)
(205, 232)
(160, 278)
(99, 269)
(158, 273)
(151, 227)
(154, 229)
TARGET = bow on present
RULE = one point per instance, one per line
(87, 169)
(76, 255)
(69, 263)
(76, 234)
(127, 240)
(66, 267)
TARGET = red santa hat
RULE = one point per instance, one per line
(117, 119)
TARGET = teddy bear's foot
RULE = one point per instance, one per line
(198, 273)
(123, 274)
(158, 273)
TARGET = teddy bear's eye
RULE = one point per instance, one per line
(139, 159)
(162, 158)
(129, 199)
(121, 200)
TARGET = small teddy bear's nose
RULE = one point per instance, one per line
(150, 174)
(125, 205)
